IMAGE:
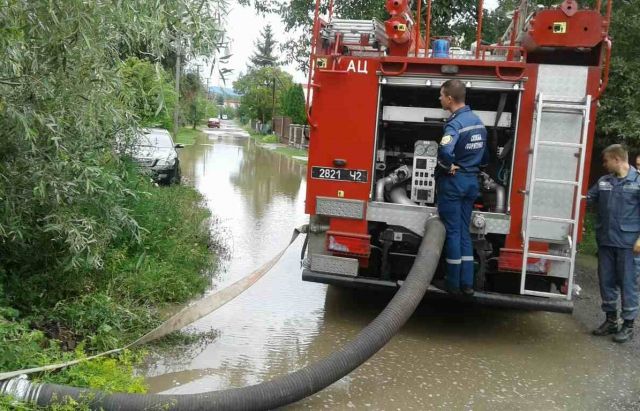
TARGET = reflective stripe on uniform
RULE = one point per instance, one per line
(469, 128)
(467, 258)
(449, 261)
(604, 185)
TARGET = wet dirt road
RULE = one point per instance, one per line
(446, 357)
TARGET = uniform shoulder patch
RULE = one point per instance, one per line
(446, 140)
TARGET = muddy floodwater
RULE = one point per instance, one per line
(446, 357)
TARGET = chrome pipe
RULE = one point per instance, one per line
(399, 196)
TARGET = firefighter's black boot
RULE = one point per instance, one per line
(444, 286)
(609, 326)
(626, 332)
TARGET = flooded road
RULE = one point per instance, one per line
(446, 357)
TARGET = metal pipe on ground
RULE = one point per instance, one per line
(280, 391)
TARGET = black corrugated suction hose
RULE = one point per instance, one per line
(292, 387)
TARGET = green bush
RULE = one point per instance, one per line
(166, 265)
(103, 321)
(6, 403)
(109, 307)
(23, 347)
(105, 374)
(270, 139)
(158, 262)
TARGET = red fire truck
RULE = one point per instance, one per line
(376, 122)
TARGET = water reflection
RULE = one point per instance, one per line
(255, 177)
(258, 195)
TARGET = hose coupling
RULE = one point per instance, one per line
(21, 389)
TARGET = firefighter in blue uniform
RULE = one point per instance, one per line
(463, 149)
(617, 198)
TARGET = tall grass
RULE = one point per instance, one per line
(187, 135)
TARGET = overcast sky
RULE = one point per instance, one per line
(243, 28)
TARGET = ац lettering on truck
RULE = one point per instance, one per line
(376, 122)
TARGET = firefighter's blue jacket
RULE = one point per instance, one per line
(464, 143)
(618, 202)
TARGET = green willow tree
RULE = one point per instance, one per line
(63, 100)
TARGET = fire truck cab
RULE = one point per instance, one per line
(376, 123)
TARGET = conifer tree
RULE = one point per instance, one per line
(264, 55)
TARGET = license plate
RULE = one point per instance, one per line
(339, 174)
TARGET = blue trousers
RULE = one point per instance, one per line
(618, 276)
(456, 195)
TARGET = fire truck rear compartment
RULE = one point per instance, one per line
(412, 114)
(411, 119)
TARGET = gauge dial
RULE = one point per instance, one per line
(432, 150)
(420, 150)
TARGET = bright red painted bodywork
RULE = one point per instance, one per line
(345, 106)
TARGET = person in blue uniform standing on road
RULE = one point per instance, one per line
(617, 198)
(463, 149)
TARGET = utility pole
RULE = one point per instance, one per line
(176, 109)
(195, 98)
(273, 104)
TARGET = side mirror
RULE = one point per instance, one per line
(179, 145)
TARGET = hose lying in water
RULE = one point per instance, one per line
(280, 391)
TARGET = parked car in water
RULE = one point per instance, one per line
(154, 149)
(213, 123)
